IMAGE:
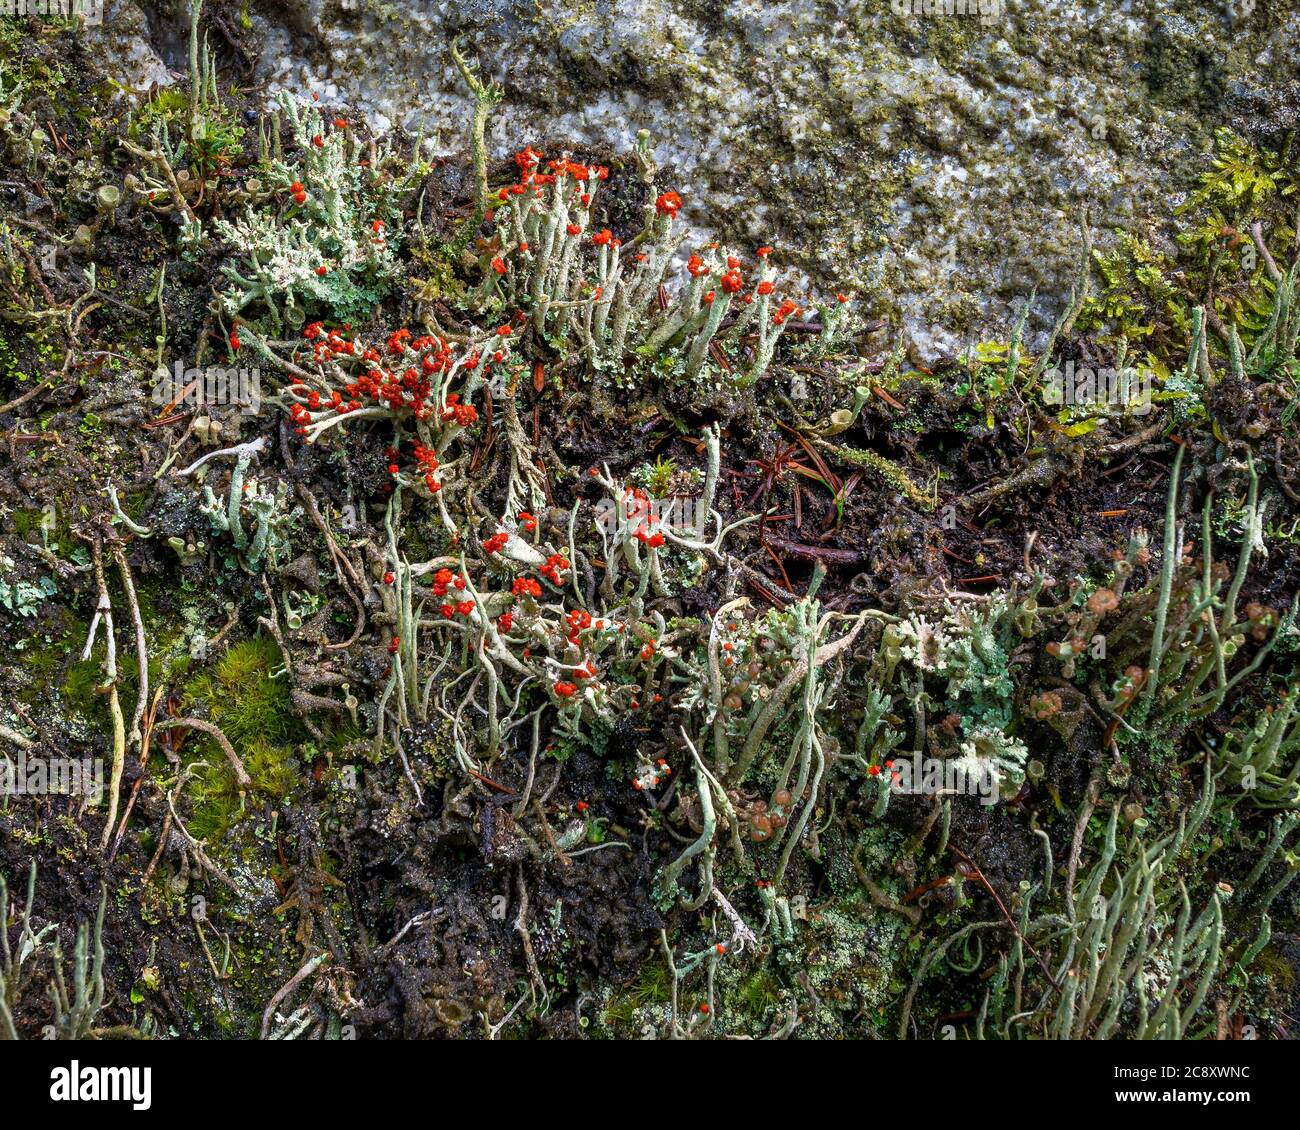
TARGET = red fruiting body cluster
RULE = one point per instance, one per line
(427, 460)
(636, 504)
(786, 309)
(696, 266)
(506, 621)
(732, 281)
(565, 690)
(579, 620)
(561, 166)
(406, 375)
(463, 414)
(645, 537)
(555, 564)
(668, 204)
(527, 159)
(496, 543)
(459, 608)
(526, 586)
(529, 180)
(528, 522)
(444, 579)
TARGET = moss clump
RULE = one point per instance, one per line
(245, 693)
(652, 986)
(80, 684)
(891, 472)
(247, 696)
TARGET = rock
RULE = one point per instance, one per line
(936, 164)
(121, 41)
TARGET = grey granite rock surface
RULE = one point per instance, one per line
(934, 162)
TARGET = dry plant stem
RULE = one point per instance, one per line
(550, 835)
(104, 615)
(123, 517)
(288, 987)
(164, 836)
(521, 927)
(147, 731)
(195, 846)
(241, 775)
(1270, 264)
(159, 161)
(14, 736)
(141, 649)
(19, 401)
(1076, 844)
(250, 448)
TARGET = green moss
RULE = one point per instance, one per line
(27, 522)
(247, 696)
(79, 686)
(166, 106)
(653, 985)
(25, 48)
(1275, 971)
(759, 994)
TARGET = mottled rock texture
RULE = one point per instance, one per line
(938, 161)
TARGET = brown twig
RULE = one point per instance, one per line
(213, 732)
(973, 872)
